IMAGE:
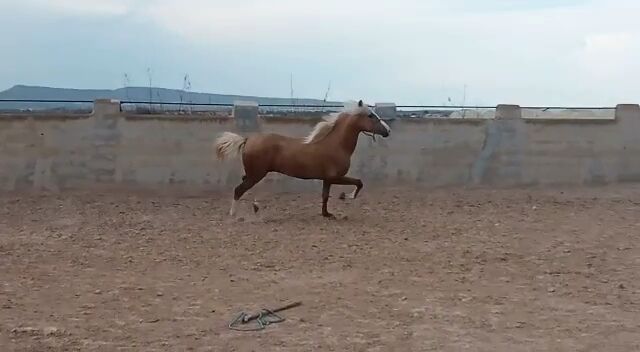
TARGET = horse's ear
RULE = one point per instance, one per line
(360, 104)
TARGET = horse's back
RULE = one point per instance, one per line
(263, 149)
(267, 152)
(264, 142)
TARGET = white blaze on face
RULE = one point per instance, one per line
(386, 126)
(381, 120)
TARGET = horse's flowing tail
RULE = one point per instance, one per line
(229, 145)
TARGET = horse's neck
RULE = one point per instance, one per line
(345, 135)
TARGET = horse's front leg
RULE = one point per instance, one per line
(326, 188)
(349, 181)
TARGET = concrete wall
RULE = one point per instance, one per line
(110, 148)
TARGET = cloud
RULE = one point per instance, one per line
(276, 20)
(611, 55)
(81, 7)
(410, 51)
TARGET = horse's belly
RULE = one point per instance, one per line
(297, 168)
(297, 163)
(310, 168)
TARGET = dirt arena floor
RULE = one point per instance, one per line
(399, 270)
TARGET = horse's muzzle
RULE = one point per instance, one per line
(383, 129)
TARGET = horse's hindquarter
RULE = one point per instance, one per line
(260, 153)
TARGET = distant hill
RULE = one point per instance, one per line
(139, 94)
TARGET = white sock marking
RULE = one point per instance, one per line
(232, 211)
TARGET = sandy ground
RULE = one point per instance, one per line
(399, 270)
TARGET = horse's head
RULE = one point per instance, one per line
(368, 121)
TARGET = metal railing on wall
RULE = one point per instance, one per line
(157, 104)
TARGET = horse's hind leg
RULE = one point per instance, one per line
(255, 201)
(247, 183)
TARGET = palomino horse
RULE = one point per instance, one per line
(325, 154)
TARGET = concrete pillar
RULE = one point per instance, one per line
(105, 137)
(246, 115)
(506, 111)
(627, 127)
(106, 107)
(386, 111)
(627, 111)
(502, 154)
(628, 121)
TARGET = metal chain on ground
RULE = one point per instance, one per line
(263, 319)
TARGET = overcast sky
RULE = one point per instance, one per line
(543, 52)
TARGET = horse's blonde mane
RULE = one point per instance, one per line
(322, 128)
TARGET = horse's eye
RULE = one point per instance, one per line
(371, 116)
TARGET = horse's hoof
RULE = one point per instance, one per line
(329, 216)
(255, 207)
(342, 196)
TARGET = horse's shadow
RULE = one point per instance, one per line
(273, 213)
